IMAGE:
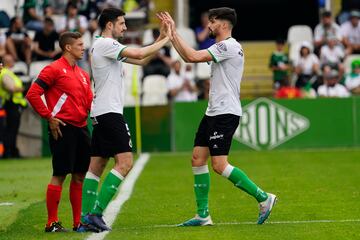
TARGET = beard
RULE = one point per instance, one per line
(212, 35)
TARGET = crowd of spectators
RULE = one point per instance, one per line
(319, 69)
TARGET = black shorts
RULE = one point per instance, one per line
(71, 152)
(216, 133)
(111, 135)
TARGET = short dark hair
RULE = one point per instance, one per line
(223, 13)
(326, 14)
(49, 20)
(280, 41)
(68, 38)
(109, 15)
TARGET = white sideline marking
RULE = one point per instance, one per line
(6, 204)
(252, 223)
(124, 194)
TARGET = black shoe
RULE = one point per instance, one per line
(84, 227)
(55, 227)
(97, 221)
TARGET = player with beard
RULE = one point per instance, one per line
(216, 129)
(111, 135)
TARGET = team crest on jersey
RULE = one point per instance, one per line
(221, 47)
(115, 43)
(64, 70)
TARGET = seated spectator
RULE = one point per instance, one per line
(350, 31)
(352, 81)
(181, 86)
(14, 105)
(323, 30)
(308, 92)
(159, 64)
(34, 13)
(2, 44)
(44, 42)
(332, 54)
(202, 33)
(72, 21)
(307, 66)
(18, 42)
(58, 6)
(331, 87)
(279, 63)
(287, 91)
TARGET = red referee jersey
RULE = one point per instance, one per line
(67, 92)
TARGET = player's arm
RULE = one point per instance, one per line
(185, 51)
(144, 52)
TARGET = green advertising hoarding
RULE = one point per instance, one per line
(268, 124)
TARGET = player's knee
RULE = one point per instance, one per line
(218, 166)
(197, 160)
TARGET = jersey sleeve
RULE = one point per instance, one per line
(223, 50)
(112, 49)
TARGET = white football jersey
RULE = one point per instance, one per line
(226, 73)
(108, 74)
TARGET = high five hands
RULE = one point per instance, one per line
(168, 23)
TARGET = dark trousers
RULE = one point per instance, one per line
(13, 114)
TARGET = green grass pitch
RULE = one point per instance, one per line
(312, 186)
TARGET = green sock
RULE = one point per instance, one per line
(242, 181)
(89, 193)
(201, 188)
(108, 190)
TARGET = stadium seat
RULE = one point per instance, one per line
(8, 7)
(128, 73)
(36, 67)
(299, 33)
(20, 68)
(31, 34)
(147, 37)
(188, 34)
(348, 60)
(154, 90)
(202, 71)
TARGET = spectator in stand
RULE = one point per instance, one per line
(307, 66)
(202, 33)
(44, 42)
(18, 42)
(72, 21)
(58, 6)
(323, 30)
(34, 13)
(350, 31)
(2, 44)
(332, 54)
(14, 103)
(352, 81)
(161, 63)
(331, 87)
(287, 91)
(181, 86)
(279, 63)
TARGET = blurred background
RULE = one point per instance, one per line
(301, 58)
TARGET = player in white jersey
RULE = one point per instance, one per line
(222, 116)
(111, 135)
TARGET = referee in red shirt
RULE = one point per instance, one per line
(68, 97)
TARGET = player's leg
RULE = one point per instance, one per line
(63, 155)
(53, 196)
(115, 142)
(91, 183)
(222, 130)
(201, 177)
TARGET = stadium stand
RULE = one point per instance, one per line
(154, 90)
(348, 60)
